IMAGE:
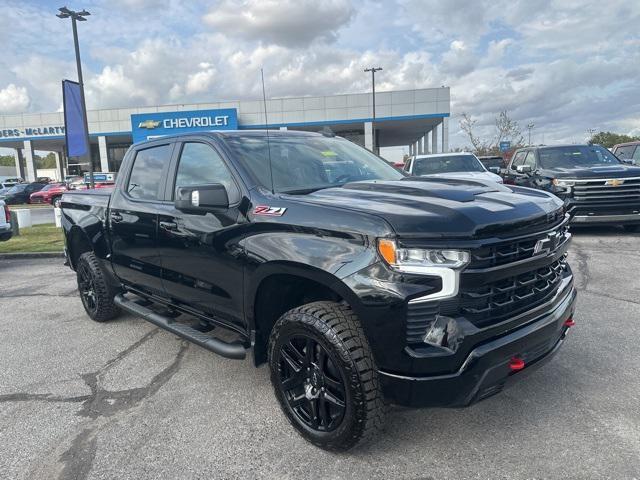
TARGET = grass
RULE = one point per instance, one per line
(39, 238)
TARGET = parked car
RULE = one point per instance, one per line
(5, 222)
(450, 165)
(21, 192)
(51, 193)
(595, 186)
(629, 151)
(8, 182)
(493, 163)
(357, 286)
(44, 180)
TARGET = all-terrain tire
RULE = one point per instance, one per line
(336, 328)
(95, 291)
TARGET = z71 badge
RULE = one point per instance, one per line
(270, 211)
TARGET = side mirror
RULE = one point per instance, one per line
(524, 169)
(495, 170)
(201, 198)
(628, 161)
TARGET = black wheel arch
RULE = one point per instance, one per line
(279, 286)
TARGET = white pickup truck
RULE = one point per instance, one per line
(5, 222)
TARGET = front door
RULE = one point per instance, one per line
(202, 262)
(133, 219)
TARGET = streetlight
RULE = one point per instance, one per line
(530, 126)
(373, 71)
(80, 17)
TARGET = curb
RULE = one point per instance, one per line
(16, 256)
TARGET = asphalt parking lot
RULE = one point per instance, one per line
(126, 400)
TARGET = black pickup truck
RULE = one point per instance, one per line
(596, 187)
(358, 285)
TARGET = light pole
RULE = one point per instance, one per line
(373, 71)
(80, 17)
(530, 126)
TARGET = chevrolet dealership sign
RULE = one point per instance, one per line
(152, 125)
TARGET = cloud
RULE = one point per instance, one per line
(14, 99)
(565, 65)
(294, 23)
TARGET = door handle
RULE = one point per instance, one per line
(169, 226)
(116, 217)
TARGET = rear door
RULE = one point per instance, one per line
(133, 218)
(202, 262)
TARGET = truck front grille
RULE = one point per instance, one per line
(497, 301)
(512, 251)
(597, 191)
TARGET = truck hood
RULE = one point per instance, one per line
(614, 171)
(423, 207)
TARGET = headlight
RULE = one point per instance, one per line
(564, 184)
(418, 260)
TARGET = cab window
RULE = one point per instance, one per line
(530, 160)
(518, 159)
(146, 175)
(200, 164)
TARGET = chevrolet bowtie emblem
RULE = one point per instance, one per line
(614, 182)
(149, 124)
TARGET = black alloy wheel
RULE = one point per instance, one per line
(313, 386)
(96, 292)
(87, 288)
(325, 377)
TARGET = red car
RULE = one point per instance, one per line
(51, 193)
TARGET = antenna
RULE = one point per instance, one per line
(266, 121)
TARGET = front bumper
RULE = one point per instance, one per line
(486, 369)
(594, 219)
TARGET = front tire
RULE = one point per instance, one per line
(325, 377)
(95, 291)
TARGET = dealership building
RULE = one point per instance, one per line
(418, 119)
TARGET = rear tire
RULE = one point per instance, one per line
(325, 377)
(632, 228)
(95, 291)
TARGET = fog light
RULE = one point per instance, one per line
(516, 364)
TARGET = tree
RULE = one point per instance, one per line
(507, 129)
(468, 125)
(609, 139)
(7, 161)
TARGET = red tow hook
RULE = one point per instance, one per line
(569, 322)
(516, 364)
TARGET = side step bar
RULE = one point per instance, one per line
(228, 350)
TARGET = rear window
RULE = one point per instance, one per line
(146, 175)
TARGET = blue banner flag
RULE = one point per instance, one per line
(75, 133)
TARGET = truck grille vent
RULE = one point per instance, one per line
(494, 302)
(509, 252)
(420, 316)
(607, 190)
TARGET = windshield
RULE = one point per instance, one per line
(307, 163)
(492, 161)
(17, 188)
(447, 164)
(576, 156)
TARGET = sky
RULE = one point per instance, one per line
(566, 66)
